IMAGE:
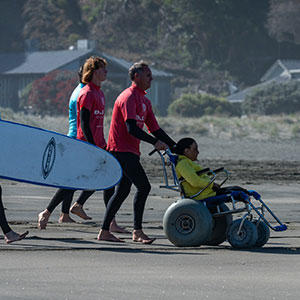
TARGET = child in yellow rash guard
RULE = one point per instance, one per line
(187, 150)
(193, 183)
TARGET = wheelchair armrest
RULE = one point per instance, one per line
(203, 171)
(218, 170)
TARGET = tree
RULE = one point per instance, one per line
(54, 23)
(283, 20)
(50, 94)
(11, 25)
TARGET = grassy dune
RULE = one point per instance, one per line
(284, 127)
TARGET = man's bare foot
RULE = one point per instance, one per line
(65, 218)
(140, 237)
(114, 227)
(43, 218)
(78, 210)
(105, 235)
(12, 236)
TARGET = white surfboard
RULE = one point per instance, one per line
(48, 158)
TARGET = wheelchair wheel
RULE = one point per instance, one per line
(247, 236)
(187, 223)
(263, 232)
(220, 225)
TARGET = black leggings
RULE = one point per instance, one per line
(133, 172)
(3, 222)
(65, 196)
(229, 189)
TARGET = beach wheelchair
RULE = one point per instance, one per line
(191, 223)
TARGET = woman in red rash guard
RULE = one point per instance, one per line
(90, 118)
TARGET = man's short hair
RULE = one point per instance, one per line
(91, 64)
(137, 67)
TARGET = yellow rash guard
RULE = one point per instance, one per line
(193, 183)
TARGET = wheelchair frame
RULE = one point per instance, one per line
(250, 208)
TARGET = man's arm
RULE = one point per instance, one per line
(85, 125)
(140, 134)
(162, 136)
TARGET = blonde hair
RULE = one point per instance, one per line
(91, 64)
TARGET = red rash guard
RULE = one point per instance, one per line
(131, 104)
(92, 98)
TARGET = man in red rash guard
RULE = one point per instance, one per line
(90, 117)
(131, 111)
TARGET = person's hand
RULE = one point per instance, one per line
(159, 145)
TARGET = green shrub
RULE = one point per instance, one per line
(111, 91)
(274, 98)
(296, 131)
(197, 105)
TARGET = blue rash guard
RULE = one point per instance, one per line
(73, 111)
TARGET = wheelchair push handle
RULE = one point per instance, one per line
(168, 151)
(152, 152)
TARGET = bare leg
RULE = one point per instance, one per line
(77, 209)
(65, 218)
(105, 235)
(114, 227)
(139, 236)
(43, 218)
(12, 236)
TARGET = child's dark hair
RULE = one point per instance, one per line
(182, 145)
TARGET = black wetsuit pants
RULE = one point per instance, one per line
(133, 173)
(229, 189)
(3, 222)
(65, 196)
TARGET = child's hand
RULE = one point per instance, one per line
(215, 187)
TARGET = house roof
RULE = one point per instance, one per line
(126, 65)
(287, 66)
(39, 62)
(42, 62)
(240, 96)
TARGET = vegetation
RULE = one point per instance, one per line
(48, 95)
(273, 99)
(206, 44)
(197, 105)
(177, 35)
(252, 127)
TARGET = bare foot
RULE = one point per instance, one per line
(12, 236)
(65, 218)
(78, 210)
(114, 227)
(140, 237)
(43, 218)
(105, 235)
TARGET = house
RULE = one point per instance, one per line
(282, 70)
(20, 69)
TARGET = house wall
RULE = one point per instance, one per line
(8, 91)
(277, 70)
(11, 87)
(160, 95)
